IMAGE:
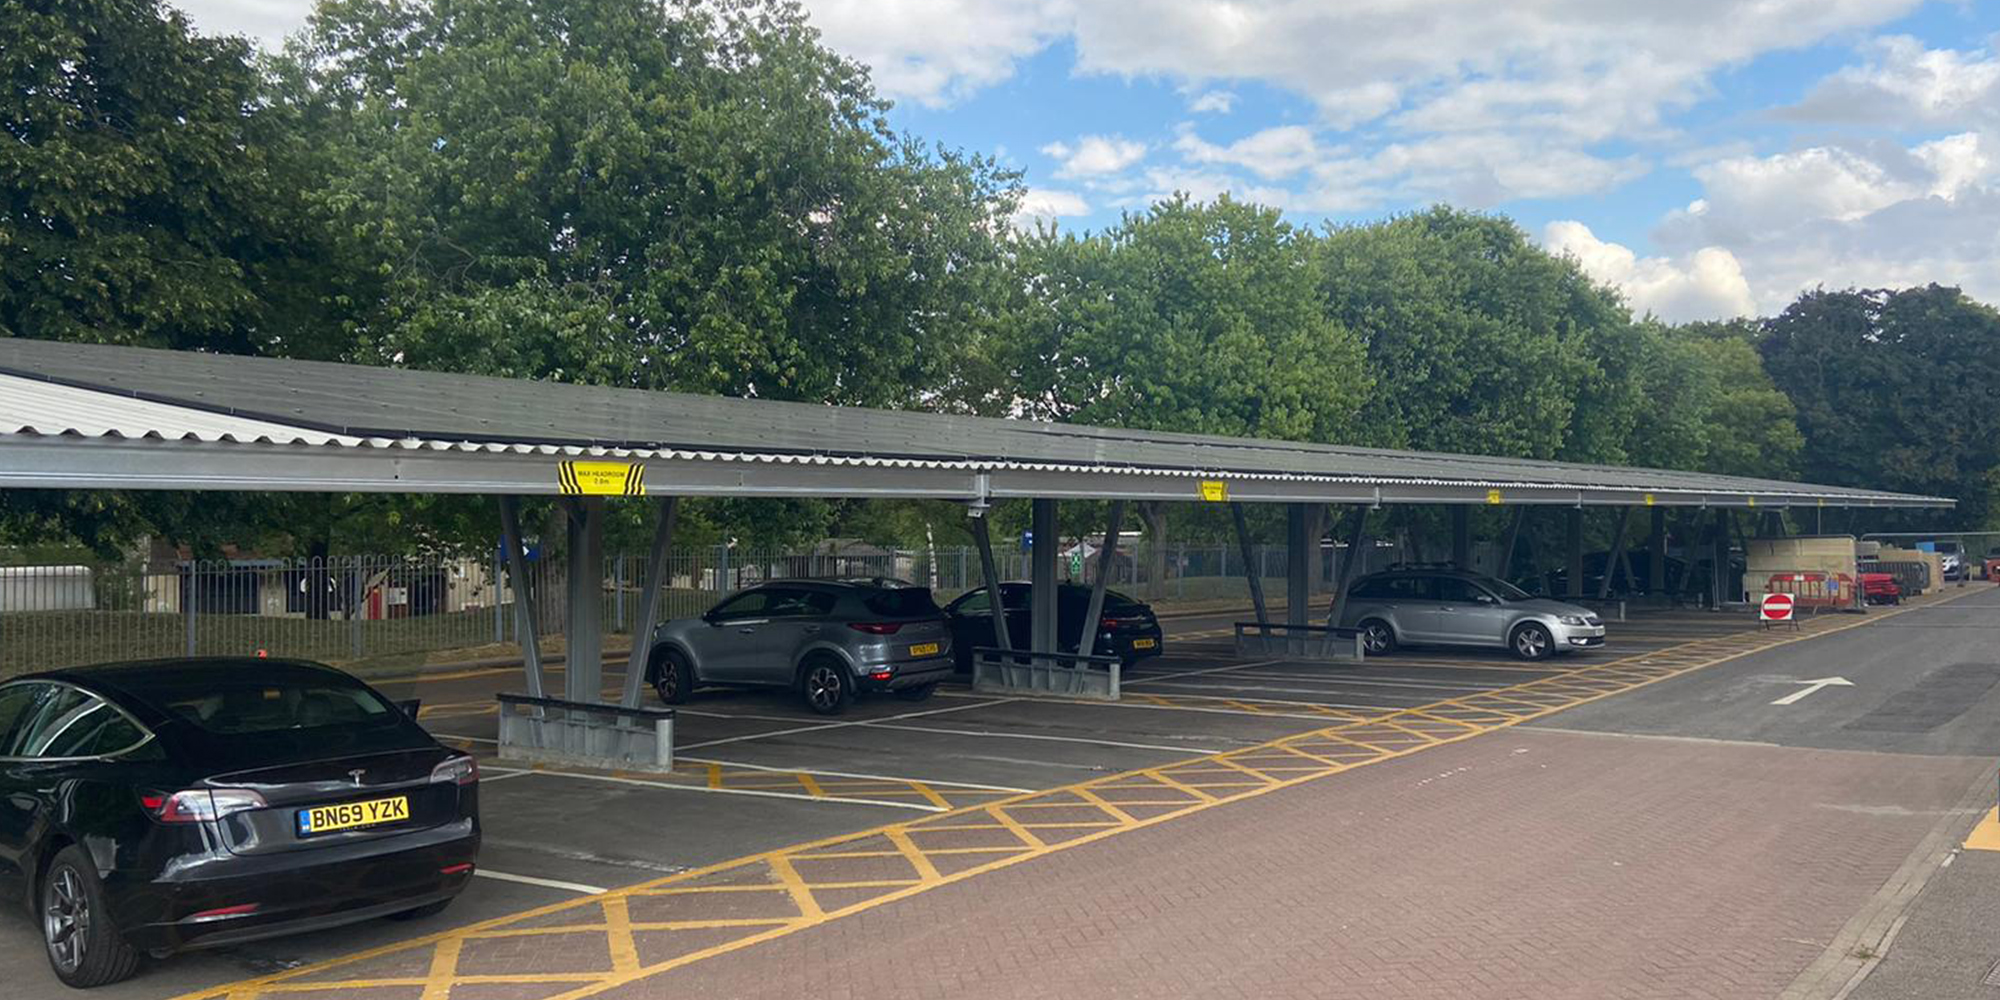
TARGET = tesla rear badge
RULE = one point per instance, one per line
(356, 775)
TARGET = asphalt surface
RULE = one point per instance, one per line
(1923, 683)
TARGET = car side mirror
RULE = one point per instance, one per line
(411, 706)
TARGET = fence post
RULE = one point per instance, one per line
(188, 602)
(499, 623)
(357, 590)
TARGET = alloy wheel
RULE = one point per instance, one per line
(66, 919)
(1375, 638)
(1531, 643)
(823, 687)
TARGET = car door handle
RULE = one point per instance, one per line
(746, 631)
(812, 629)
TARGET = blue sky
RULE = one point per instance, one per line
(1709, 157)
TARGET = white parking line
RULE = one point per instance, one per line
(1154, 678)
(859, 777)
(546, 883)
(1053, 739)
(842, 725)
(752, 792)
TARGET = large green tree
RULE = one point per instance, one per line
(682, 194)
(1896, 390)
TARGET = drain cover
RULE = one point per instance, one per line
(1993, 977)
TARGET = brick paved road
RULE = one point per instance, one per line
(1521, 865)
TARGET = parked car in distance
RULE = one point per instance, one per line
(1449, 607)
(150, 808)
(828, 640)
(1126, 627)
(1951, 559)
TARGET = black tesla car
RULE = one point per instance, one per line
(149, 808)
(1127, 627)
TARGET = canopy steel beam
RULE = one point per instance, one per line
(982, 536)
(1616, 554)
(525, 632)
(1350, 564)
(583, 635)
(31, 461)
(649, 601)
(1251, 572)
(1461, 537)
(1042, 589)
(1086, 640)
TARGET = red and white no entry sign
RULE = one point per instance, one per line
(1776, 608)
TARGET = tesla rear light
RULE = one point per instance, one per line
(198, 804)
(462, 770)
(876, 628)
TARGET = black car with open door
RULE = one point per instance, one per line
(149, 808)
(1127, 627)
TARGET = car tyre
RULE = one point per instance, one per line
(78, 933)
(1532, 642)
(921, 692)
(1377, 637)
(427, 910)
(825, 685)
(673, 677)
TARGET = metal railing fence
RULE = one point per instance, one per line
(351, 608)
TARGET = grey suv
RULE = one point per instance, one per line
(828, 640)
(1453, 608)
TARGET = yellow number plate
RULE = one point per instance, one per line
(924, 649)
(326, 819)
(1143, 644)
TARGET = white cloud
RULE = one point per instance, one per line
(1271, 154)
(1706, 284)
(1095, 155)
(1904, 83)
(1878, 215)
(1044, 205)
(1213, 102)
(264, 21)
(1479, 170)
(935, 51)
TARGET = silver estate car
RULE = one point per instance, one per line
(1448, 607)
(827, 640)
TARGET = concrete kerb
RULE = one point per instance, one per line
(1866, 938)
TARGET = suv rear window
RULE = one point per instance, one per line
(902, 602)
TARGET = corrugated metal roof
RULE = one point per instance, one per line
(49, 388)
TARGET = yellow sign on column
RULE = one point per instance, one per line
(602, 479)
(1649, 499)
(1214, 490)
(1494, 497)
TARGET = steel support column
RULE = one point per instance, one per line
(649, 600)
(525, 631)
(1656, 559)
(583, 634)
(1461, 537)
(1506, 565)
(1616, 554)
(1251, 571)
(1350, 564)
(983, 537)
(1573, 550)
(1086, 640)
(1301, 557)
(1719, 559)
(1042, 624)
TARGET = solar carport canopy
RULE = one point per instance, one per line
(91, 416)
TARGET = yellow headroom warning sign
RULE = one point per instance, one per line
(1214, 490)
(1494, 497)
(602, 479)
(1649, 499)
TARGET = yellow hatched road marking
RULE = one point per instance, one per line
(1354, 744)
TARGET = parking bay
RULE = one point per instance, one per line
(756, 771)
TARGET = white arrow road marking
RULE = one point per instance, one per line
(1811, 686)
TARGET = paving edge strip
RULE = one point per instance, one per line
(1866, 938)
